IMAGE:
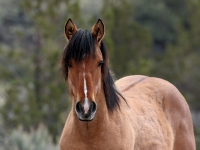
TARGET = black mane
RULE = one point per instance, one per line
(81, 45)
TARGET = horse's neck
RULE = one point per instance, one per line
(99, 122)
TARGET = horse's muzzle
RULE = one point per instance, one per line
(82, 114)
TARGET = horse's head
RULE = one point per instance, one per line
(83, 64)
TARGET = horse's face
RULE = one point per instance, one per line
(85, 77)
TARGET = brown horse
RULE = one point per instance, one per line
(134, 113)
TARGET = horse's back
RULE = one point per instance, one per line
(167, 102)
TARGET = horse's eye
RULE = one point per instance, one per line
(69, 64)
(100, 63)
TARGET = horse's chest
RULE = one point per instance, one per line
(102, 141)
(101, 145)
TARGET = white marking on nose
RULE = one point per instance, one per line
(85, 86)
(86, 102)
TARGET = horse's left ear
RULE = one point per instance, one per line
(98, 30)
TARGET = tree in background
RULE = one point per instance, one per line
(157, 16)
(35, 89)
(128, 43)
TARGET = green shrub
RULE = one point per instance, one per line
(38, 139)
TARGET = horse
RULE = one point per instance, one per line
(133, 113)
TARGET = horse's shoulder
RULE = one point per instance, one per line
(166, 96)
(177, 112)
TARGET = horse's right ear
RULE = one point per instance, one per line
(70, 29)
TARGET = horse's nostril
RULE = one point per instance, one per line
(93, 107)
(86, 115)
(78, 107)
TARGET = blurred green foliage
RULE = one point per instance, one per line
(155, 38)
(38, 139)
(128, 43)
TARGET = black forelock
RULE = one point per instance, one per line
(80, 45)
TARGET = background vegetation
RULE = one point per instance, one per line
(156, 38)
